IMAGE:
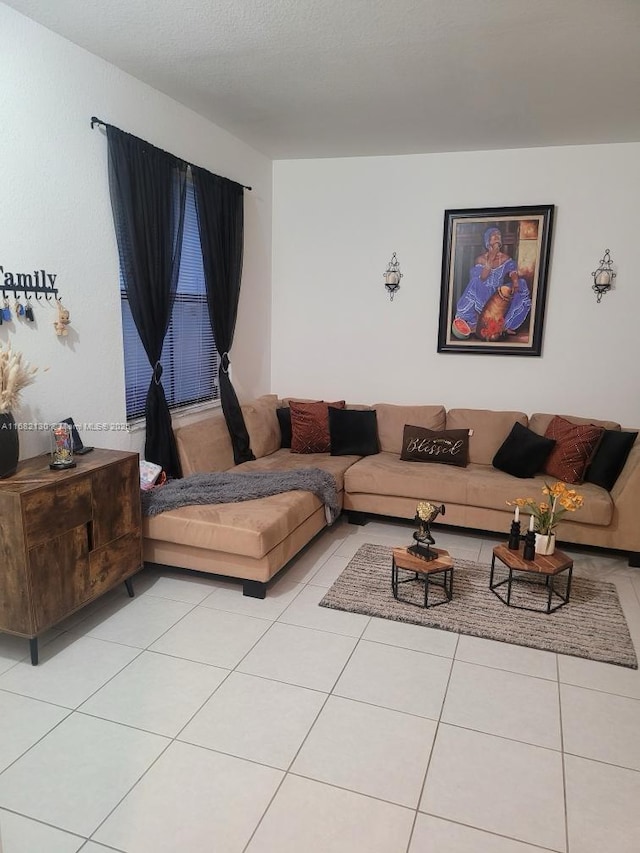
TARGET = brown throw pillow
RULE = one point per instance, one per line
(450, 447)
(575, 446)
(310, 426)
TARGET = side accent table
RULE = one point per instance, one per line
(422, 571)
(523, 571)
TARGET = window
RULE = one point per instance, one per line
(189, 356)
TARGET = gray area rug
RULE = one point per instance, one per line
(591, 626)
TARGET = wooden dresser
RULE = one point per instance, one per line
(66, 537)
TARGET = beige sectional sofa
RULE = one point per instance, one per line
(254, 539)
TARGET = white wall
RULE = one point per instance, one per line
(55, 214)
(336, 334)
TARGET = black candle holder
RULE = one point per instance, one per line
(529, 550)
(514, 536)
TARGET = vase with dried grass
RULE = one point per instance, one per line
(15, 374)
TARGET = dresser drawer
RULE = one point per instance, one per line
(52, 511)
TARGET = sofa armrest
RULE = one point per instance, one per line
(626, 495)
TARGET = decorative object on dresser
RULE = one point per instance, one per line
(15, 374)
(61, 448)
(66, 538)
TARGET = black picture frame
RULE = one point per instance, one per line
(494, 287)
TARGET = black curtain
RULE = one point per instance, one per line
(148, 190)
(220, 208)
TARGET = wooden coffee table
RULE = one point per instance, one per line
(525, 572)
(422, 571)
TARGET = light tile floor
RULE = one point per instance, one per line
(193, 719)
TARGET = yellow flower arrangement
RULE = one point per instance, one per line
(548, 513)
(15, 374)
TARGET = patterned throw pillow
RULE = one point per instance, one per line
(310, 426)
(449, 446)
(575, 446)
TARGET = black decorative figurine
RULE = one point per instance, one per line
(514, 536)
(425, 513)
(529, 550)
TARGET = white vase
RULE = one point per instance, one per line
(545, 544)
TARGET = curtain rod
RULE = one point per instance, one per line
(98, 121)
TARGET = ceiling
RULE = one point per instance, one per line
(329, 78)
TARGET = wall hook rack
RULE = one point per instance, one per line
(29, 289)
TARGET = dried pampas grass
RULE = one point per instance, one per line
(15, 374)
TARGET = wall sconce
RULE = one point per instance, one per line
(392, 276)
(603, 277)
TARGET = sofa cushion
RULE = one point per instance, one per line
(575, 445)
(474, 486)
(387, 474)
(610, 457)
(449, 447)
(539, 422)
(523, 452)
(249, 528)
(205, 446)
(489, 430)
(286, 460)
(310, 426)
(262, 425)
(392, 420)
(284, 422)
(491, 489)
(353, 432)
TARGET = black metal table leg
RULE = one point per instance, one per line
(33, 648)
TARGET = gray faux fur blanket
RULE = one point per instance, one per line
(229, 487)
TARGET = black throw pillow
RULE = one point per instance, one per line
(284, 419)
(353, 432)
(610, 457)
(523, 452)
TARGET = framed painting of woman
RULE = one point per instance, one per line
(495, 266)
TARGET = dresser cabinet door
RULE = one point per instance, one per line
(116, 501)
(59, 576)
(114, 562)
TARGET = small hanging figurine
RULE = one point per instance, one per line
(60, 325)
